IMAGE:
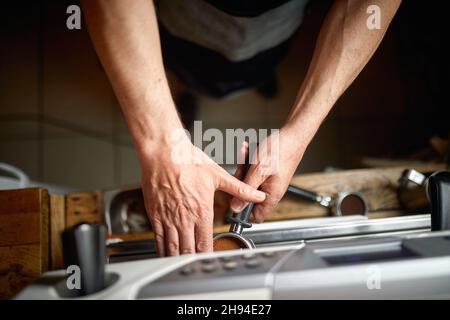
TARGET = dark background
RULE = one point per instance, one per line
(61, 124)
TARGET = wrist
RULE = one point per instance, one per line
(162, 143)
(298, 137)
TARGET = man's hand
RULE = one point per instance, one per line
(179, 198)
(271, 170)
(344, 46)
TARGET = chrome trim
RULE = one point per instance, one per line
(339, 229)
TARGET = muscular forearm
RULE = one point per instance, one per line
(125, 36)
(344, 47)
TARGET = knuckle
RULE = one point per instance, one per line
(187, 251)
(172, 246)
(203, 246)
(242, 188)
(159, 237)
(156, 224)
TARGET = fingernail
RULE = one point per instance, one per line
(237, 205)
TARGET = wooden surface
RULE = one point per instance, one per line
(379, 186)
(24, 238)
(57, 226)
(83, 207)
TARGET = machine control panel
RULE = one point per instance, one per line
(286, 271)
(227, 272)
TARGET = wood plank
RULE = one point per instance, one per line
(19, 265)
(19, 201)
(379, 186)
(45, 230)
(20, 216)
(24, 237)
(57, 225)
(24, 216)
(20, 228)
(83, 207)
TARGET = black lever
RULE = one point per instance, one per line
(438, 190)
(84, 245)
(240, 220)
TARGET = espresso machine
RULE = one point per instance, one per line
(348, 257)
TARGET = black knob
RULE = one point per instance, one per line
(84, 246)
(438, 190)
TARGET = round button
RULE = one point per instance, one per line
(253, 263)
(268, 254)
(230, 265)
(186, 271)
(207, 261)
(248, 256)
(227, 258)
(209, 267)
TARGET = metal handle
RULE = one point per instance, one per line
(240, 220)
(24, 180)
(310, 195)
(411, 175)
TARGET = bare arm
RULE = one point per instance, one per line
(344, 46)
(178, 193)
(126, 38)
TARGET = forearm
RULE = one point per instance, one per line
(344, 46)
(126, 38)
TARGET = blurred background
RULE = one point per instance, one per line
(61, 124)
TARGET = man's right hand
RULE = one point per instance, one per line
(179, 198)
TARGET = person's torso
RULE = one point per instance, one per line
(237, 29)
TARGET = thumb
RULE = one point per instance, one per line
(253, 180)
(239, 189)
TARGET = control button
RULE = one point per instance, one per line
(208, 261)
(187, 270)
(209, 267)
(230, 265)
(253, 263)
(268, 254)
(248, 256)
(227, 258)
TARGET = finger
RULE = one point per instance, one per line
(237, 188)
(253, 179)
(171, 241)
(158, 230)
(187, 239)
(204, 236)
(261, 210)
(239, 174)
